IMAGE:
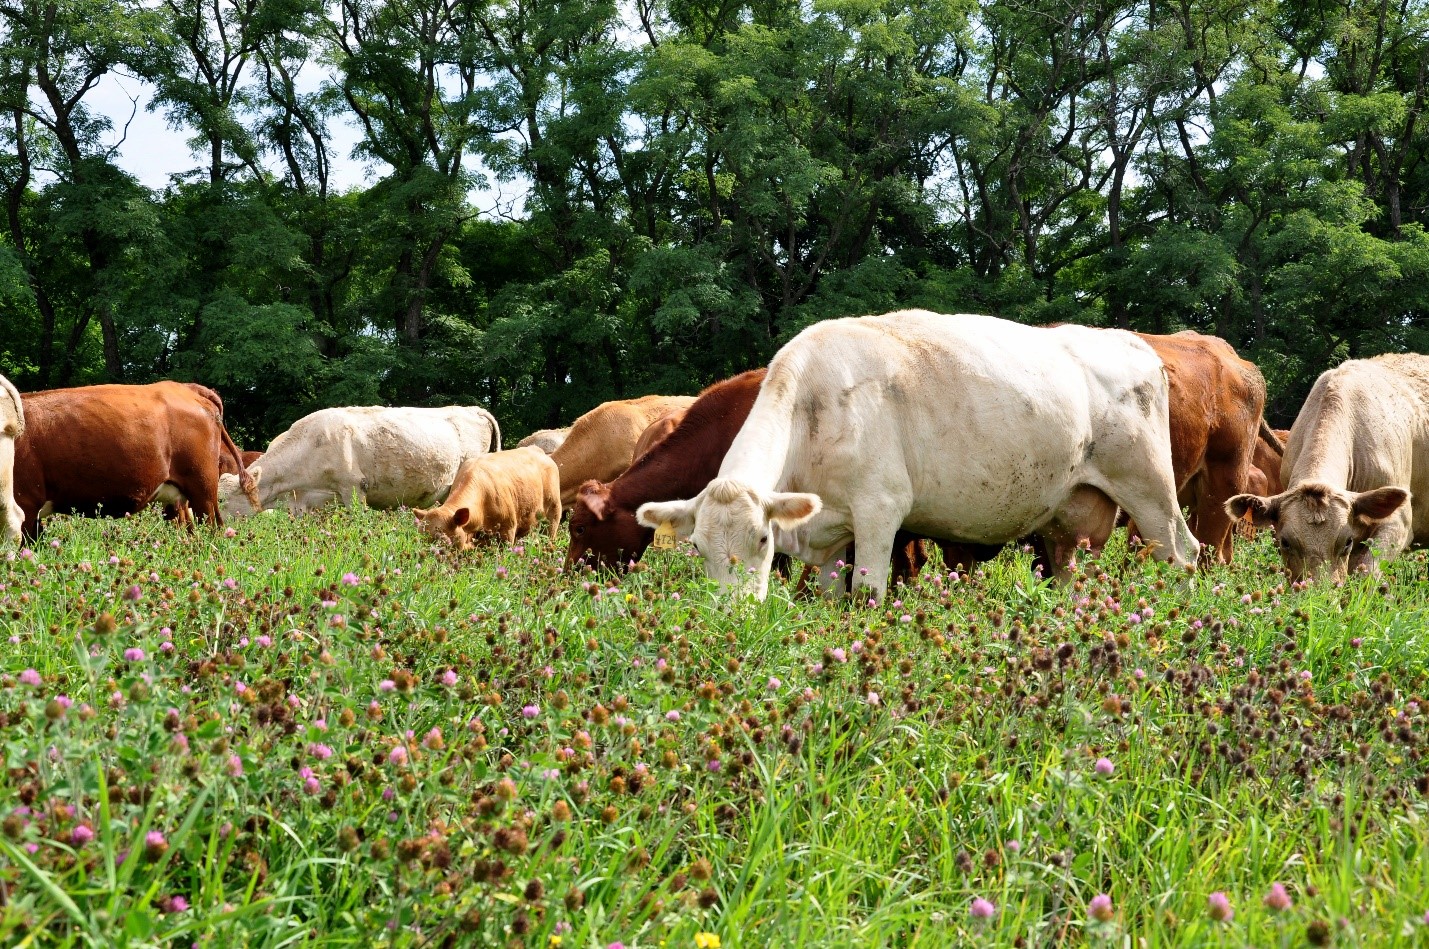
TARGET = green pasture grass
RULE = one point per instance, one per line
(327, 731)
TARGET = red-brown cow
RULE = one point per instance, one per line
(113, 449)
(1265, 477)
(604, 531)
(1216, 401)
(226, 464)
(603, 526)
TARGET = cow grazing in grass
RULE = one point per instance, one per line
(114, 449)
(602, 441)
(500, 495)
(12, 426)
(962, 427)
(547, 439)
(604, 530)
(382, 457)
(1356, 470)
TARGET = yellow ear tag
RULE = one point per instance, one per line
(664, 536)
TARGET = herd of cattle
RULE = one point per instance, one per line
(861, 439)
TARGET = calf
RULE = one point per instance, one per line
(498, 495)
(1356, 470)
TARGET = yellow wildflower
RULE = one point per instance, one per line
(706, 941)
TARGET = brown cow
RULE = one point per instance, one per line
(656, 433)
(1216, 401)
(604, 531)
(227, 465)
(226, 462)
(1265, 477)
(602, 441)
(113, 449)
(497, 495)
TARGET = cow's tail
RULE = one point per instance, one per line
(245, 480)
(495, 431)
(1267, 435)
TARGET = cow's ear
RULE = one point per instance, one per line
(789, 510)
(421, 513)
(679, 514)
(1264, 512)
(1370, 507)
(596, 496)
(461, 516)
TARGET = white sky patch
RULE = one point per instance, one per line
(145, 145)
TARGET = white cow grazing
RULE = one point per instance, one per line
(384, 457)
(961, 427)
(1356, 470)
(12, 426)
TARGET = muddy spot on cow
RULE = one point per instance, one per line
(812, 409)
(1145, 397)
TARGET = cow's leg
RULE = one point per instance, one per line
(873, 534)
(824, 577)
(1143, 486)
(553, 513)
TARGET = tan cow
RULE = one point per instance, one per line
(547, 439)
(498, 495)
(602, 441)
(656, 433)
(1356, 470)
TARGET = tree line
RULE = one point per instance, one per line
(701, 180)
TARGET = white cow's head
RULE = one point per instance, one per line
(232, 501)
(732, 526)
(1320, 529)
